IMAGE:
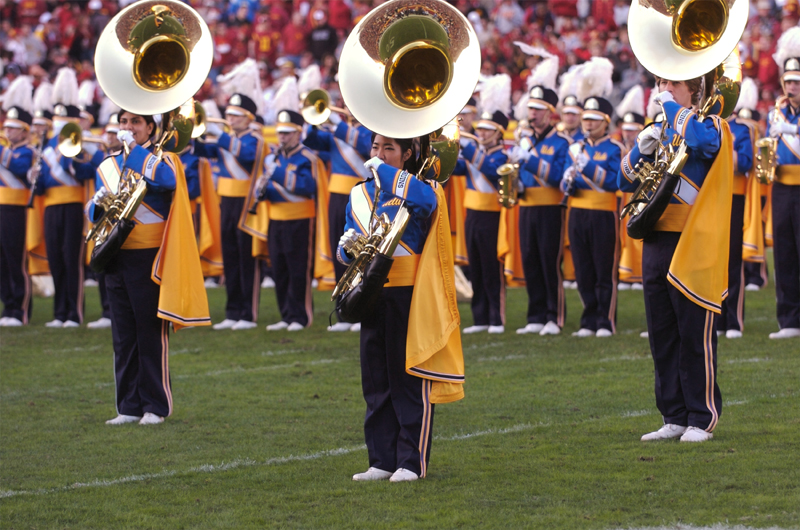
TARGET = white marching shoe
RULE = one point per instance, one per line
(267, 283)
(403, 475)
(225, 324)
(340, 326)
(733, 334)
(551, 328)
(122, 419)
(497, 329)
(474, 329)
(100, 323)
(785, 333)
(637, 287)
(243, 324)
(696, 434)
(602, 332)
(151, 419)
(55, 324)
(295, 326)
(583, 332)
(372, 473)
(530, 328)
(752, 287)
(666, 432)
(622, 286)
(277, 326)
(645, 334)
(356, 328)
(70, 324)
(10, 322)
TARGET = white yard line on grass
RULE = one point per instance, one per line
(718, 526)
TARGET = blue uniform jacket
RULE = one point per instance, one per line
(14, 165)
(600, 173)
(238, 155)
(787, 155)
(703, 140)
(293, 179)
(396, 186)
(742, 146)
(191, 168)
(66, 171)
(486, 162)
(546, 166)
(160, 179)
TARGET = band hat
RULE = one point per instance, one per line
(85, 114)
(18, 118)
(630, 110)
(597, 109)
(289, 121)
(113, 123)
(749, 114)
(496, 121)
(241, 105)
(470, 107)
(787, 54)
(791, 69)
(632, 121)
(66, 113)
(748, 101)
(43, 117)
(571, 105)
(542, 98)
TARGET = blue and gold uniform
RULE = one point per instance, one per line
(348, 148)
(744, 136)
(404, 367)
(239, 159)
(479, 164)
(684, 279)
(291, 190)
(593, 221)
(785, 216)
(541, 226)
(15, 162)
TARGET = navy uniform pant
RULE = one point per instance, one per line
(541, 237)
(683, 342)
(757, 273)
(66, 256)
(399, 421)
(732, 316)
(485, 270)
(141, 339)
(786, 250)
(242, 276)
(337, 216)
(101, 288)
(594, 242)
(15, 282)
(291, 253)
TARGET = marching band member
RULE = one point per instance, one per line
(154, 279)
(402, 375)
(290, 185)
(571, 108)
(61, 181)
(591, 182)
(630, 112)
(240, 158)
(731, 319)
(467, 118)
(783, 125)
(541, 217)
(348, 147)
(16, 160)
(683, 292)
(480, 163)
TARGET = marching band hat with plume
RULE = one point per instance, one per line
(43, 105)
(243, 82)
(567, 90)
(594, 86)
(495, 102)
(113, 123)
(748, 101)
(65, 96)
(18, 102)
(541, 83)
(787, 54)
(631, 109)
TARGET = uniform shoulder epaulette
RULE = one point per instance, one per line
(564, 135)
(618, 144)
(493, 150)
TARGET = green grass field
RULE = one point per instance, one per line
(267, 432)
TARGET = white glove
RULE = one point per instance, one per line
(464, 142)
(213, 129)
(782, 128)
(269, 165)
(334, 118)
(663, 97)
(518, 155)
(648, 140)
(567, 184)
(581, 160)
(126, 138)
(349, 236)
(526, 143)
(99, 195)
(373, 163)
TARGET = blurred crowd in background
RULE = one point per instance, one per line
(39, 36)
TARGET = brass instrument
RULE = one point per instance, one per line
(407, 69)
(680, 40)
(508, 194)
(4, 140)
(317, 107)
(767, 148)
(70, 140)
(166, 49)
(199, 120)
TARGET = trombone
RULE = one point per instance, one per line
(317, 107)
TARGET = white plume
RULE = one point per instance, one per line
(527, 49)
(788, 46)
(310, 79)
(65, 87)
(107, 108)
(243, 79)
(544, 74)
(19, 94)
(211, 108)
(653, 108)
(287, 97)
(496, 94)
(86, 93)
(569, 83)
(594, 79)
(632, 102)
(748, 95)
(43, 97)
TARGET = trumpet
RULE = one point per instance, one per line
(767, 148)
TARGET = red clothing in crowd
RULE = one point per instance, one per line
(265, 44)
(603, 13)
(28, 11)
(563, 8)
(339, 15)
(293, 39)
(768, 73)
